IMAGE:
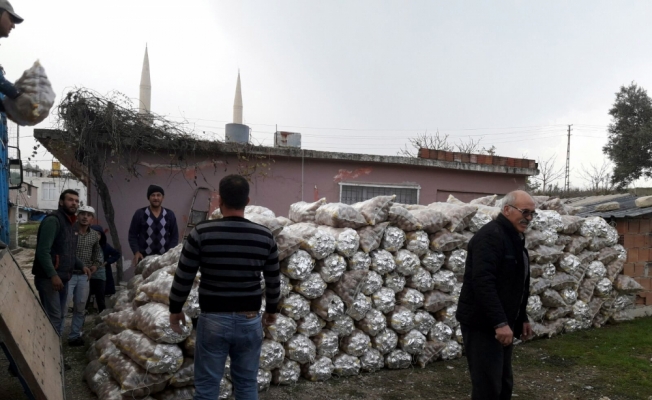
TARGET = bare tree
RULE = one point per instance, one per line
(598, 177)
(426, 141)
(490, 151)
(470, 147)
(548, 173)
(440, 141)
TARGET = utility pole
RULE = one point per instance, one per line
(567, 175)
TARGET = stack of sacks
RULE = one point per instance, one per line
(136, 354)
(364, 287)
(576, 273)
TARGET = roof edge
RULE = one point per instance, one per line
(53, 134)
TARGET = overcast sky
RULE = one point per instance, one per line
(354, 76)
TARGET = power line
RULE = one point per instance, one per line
(375, 135)
(368, 129)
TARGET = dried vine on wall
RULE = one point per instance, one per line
(97, 128)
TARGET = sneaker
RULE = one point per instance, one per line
(76, 342)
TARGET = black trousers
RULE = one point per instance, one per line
(490, 364)
(97, 287)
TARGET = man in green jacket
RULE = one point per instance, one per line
(56, 257)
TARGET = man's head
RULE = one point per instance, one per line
(8, 18)
(85, 215)
(69, 201)
(234, 193)
(519, 209)
(155, 195)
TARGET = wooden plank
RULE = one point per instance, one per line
(28, 333)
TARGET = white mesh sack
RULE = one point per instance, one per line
(375, 210)
(340, 215)
(36, 99)
(155, 357)
(287, 374)
(305, 212)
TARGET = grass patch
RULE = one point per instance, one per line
(26, 230)
(620, 355)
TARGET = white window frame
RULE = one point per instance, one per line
(49, 188)
(383, 185)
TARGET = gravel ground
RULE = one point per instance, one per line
(537, 375)
(562, 380)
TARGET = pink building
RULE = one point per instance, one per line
(281, 176)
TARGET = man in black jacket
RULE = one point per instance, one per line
(491, 309)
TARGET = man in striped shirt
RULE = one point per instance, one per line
(230, 253)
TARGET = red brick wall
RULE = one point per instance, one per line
(442, 155)
(637, 240)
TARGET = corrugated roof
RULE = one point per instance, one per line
(592, 200)
(628, 208)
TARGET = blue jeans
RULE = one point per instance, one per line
(78, 288)
(227, 334)
(53, 302)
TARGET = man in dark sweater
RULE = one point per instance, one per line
(230, 253)
(153, 229)
(55, 257)
(491, 309)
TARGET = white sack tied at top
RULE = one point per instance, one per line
(36, 98)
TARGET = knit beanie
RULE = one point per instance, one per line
(153, 189)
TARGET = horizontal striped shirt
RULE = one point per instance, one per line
(230, 253)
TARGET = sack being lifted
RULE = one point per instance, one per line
(36, 97)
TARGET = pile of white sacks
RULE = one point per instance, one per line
(364, 287)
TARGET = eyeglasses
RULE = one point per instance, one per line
(525, 213)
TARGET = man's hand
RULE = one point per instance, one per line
(175, 319)
(527, 331)
(268, 319)
(505, 335)
(93, 269)
(137, 258)
(87, 272)
(57, 284)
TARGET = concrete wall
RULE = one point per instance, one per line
(26, 197)
(23, 215)
(61, 184)
(283, 184)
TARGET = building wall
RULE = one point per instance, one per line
(27, 196)
(23, 215)
(48, 198)
(286, 182)
(638, 243)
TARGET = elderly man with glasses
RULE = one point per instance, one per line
(491, 309)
